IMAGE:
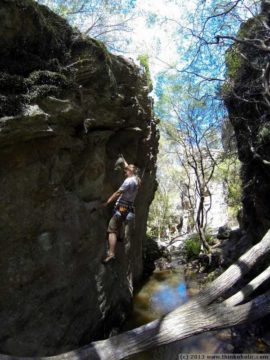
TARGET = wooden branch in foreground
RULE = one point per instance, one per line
(248, 289)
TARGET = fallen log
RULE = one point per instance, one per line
(248, 289)
(200, 314)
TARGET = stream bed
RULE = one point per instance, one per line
(162, 292)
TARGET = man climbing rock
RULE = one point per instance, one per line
(123, 209)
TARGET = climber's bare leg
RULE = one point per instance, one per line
(112, 239)
(112, 243)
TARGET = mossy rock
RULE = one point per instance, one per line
(37, 30)
(47, 78)
(12, 83)
(85, 47)
(226, 89)
(11, 105)
(234, 62)
(35, 49)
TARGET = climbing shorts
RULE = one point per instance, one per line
(117, 220)
(115, 224)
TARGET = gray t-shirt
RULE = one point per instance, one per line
(129, 189)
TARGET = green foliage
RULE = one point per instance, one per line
(192, 247)
(234, 62)
(264, 134)
(159, 214)
(144, 61)
(210, 239)
(225, 89)
(212, 275)
(228, 171)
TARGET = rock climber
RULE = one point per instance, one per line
(123, 209)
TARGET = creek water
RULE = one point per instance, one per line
(163, 292)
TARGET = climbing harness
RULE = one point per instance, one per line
(123, 209)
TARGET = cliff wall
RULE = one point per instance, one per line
(247, 96)
(67, 108)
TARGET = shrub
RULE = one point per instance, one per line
(210, 239)
(192, 247)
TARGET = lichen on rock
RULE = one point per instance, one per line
(67, 109)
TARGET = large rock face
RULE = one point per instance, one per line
(68, 108)
(247, 97)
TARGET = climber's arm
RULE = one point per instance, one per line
(123, 188)
(125, 163)
(113, 197)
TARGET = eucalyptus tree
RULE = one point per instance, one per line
(164, 211)
(194, 133)
(159, 214)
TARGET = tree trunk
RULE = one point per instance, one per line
(248, 289)
(198, 315)
(200, 223)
